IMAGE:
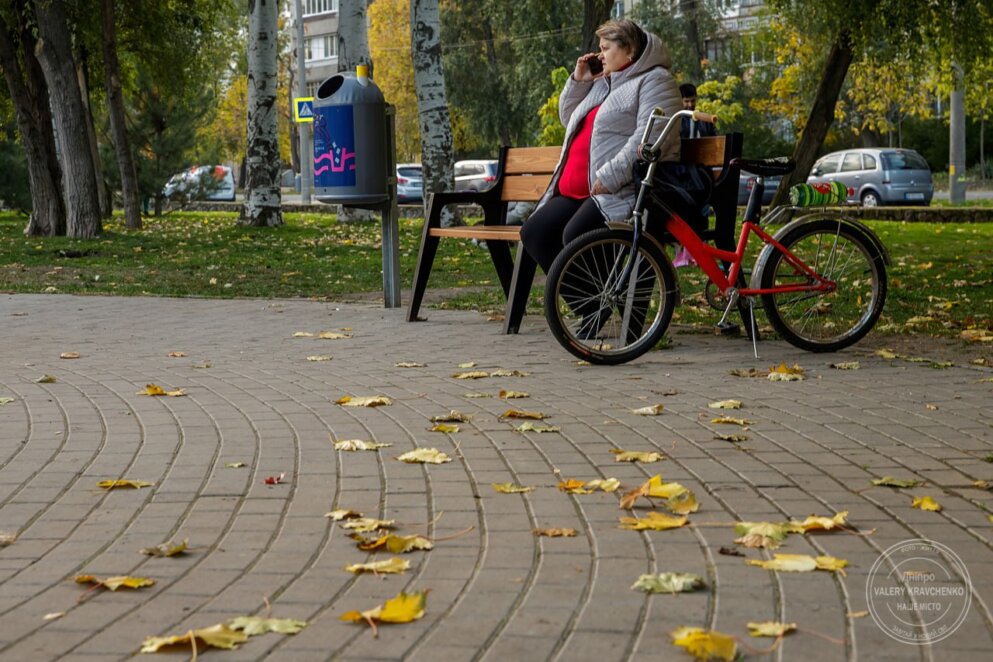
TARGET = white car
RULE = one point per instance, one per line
(201, 183)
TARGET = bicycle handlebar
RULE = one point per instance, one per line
(651, 152)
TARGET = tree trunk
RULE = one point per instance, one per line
(79, 182)
(47, 214)
(131, 197)
(491, 60)
(293, 132)
(432, 104)
(821, 116)
(353, 36)
(595, 14)
(688, 8)
(262, 194)
(103, 194)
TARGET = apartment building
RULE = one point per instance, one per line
(320, 29)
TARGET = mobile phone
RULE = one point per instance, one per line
(595, 65)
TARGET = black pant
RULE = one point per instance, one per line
(555, 224)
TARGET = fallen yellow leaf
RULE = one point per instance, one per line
(177, 355)
(7, 538)
(167, 549)
(338, 515)
(529, 426)
(846, 365)
(366, 401)
(645, 457)
(256, 625)
(114, 583)
(706, 644)
(403, 608)
(303, 334)
(472, 374)
(393, 543)
(333, 335)
(730, 420)
(801, 563)
(218, 636)
(123, 482)
(467, 365)
(669, 582)
(391, 566)
(814, 523)
(770, 629)
(603, 484)
(510, 395)
(725, 404)
(367, 524)
(501, 372)
(444, 427)
(453, 416)
(556, 532)
(425, 455)
(155, 389)
(926, 503)
(358, 445)
(573, 486)
(320, 357)
(518, 413)
(654, 521)
(650, 410)
(69, 355)
(510, 488)
(409, 364)
(767, 535)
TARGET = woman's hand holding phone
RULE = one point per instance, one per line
(588, 67)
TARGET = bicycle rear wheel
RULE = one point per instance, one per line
(594, 318)
(825, 321)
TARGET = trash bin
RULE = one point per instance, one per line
(351, 164)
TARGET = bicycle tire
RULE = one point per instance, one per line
(825, 321)
(588, 319)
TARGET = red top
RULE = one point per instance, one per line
(575, 180)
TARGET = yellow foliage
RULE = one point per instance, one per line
(389, 47)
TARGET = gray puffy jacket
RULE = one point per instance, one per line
(626, 99)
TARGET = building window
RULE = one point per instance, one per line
(312, 88)
(319, 6)
(321, 47)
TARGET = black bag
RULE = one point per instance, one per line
(683, 189)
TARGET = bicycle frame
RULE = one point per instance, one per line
(708, 257)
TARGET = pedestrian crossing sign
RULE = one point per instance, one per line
(303, 109)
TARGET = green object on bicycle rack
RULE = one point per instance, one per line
(814, 195)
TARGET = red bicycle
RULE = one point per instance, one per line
(610, 295)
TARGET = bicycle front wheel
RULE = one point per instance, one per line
(826, 321)
(594, 315)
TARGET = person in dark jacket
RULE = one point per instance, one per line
(691, 128)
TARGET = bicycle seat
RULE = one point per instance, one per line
(766, 167)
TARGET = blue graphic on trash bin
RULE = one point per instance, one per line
(334, 146)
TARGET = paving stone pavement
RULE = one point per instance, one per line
(497, 592)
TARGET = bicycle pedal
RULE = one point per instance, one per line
(728, 329)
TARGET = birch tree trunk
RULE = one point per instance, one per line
(79, 182)
(432, 104)
(34, 123)
(118, 124)
(262, 194)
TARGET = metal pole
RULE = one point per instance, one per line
(306, 149)
(956, 135)
(391, 218)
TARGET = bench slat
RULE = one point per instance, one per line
(526, 188)
(707, 151)
(490, 232)
(521, 160)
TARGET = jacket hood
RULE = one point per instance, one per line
(654, 55)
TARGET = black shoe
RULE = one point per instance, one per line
(728, 329)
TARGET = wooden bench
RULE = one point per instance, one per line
(523, 175)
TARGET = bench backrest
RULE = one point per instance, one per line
(527, 171)
(716, 152)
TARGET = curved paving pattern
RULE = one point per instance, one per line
(497, 592)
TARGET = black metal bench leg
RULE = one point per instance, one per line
(500, 254)
(520, 290)
(425, 260)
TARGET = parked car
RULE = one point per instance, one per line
(410, 182)
(477, 175)
(877, 176)
(201, 183)
(747, 180)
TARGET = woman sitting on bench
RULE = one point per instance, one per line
(605, 107)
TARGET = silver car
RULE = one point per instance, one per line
(410, 182)
(475, 175)
(877, 176)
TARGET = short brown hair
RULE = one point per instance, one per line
(626, 33)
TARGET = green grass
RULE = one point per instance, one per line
(941, 279)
